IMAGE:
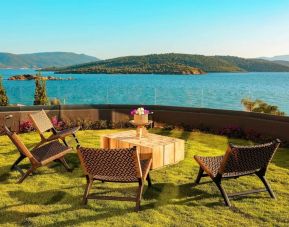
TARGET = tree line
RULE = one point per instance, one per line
(138, 69)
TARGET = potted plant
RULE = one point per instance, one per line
(140, 115)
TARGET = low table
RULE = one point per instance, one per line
(163, 150)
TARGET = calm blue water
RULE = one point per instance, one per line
(213, 90)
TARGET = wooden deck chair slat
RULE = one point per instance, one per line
(41, 121)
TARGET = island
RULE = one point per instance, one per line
(173, 64)
(34, 77)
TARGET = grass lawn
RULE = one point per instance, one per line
(52, 196)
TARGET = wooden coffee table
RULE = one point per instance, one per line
(163, 150)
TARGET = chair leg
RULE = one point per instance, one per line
(200, 174)
(29, 171)
(139, 195)
(267, 186)
(149, 180)
(64, 141)
(224, 193)
(65, 164)
(21, 157)
(87, 189)
(76, 140)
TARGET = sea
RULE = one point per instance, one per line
(212, 90)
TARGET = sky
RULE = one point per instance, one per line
(113, 28)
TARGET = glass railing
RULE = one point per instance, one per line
(176, 96)
(213, 90)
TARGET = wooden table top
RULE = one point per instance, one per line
(150, 140)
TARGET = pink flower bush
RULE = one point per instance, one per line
(54, 120)
(232, 131)
(26, 126)
(56, 123)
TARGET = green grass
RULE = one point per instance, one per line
(52, 196)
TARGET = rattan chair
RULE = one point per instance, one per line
(114, 165)
(238, 161)
(39, 156)
(43, 124)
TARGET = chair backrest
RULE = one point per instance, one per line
(248, 158)
(118, 164)
(18, 143)
(41, 121)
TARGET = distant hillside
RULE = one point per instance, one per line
(277, 58)
(255, 65)
(286, 63)
(43, 60)
(174, 64)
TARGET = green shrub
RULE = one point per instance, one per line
(3, 97)
(40, 96)
(260, 106)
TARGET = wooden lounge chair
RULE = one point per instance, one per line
(39, 156)
(238, 161)
(114, 165)
(43, 124)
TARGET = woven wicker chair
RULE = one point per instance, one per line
(39, 156)
(43, 124)
(238, 161)
(114, 165)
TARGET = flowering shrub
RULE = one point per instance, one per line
(251, 134)
(89, 125)
(139, 111)
(59, 125)
(232, 131)
(26, 126)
